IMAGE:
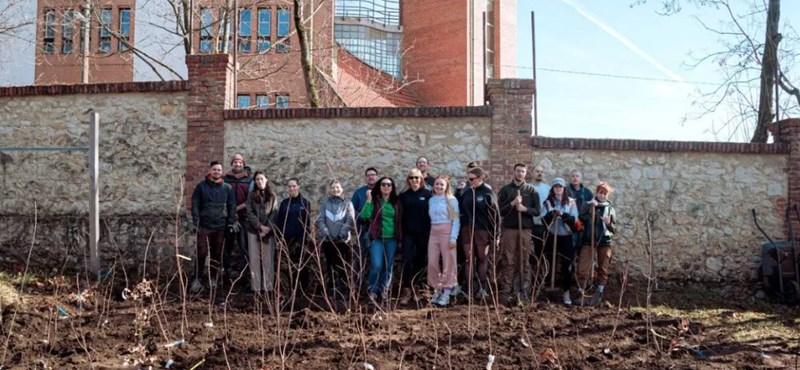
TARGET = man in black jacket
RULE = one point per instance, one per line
(519, 203)
(213, 210)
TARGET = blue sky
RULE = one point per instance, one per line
(608, 37)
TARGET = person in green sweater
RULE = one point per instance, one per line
(383, 212)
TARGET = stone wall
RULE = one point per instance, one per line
(317, 151)
(142, 153)
(142, 160)
(698, 202)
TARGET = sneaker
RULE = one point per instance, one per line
(196, 287)
(455, 291)
(436, 294)
(405, 296)
(443, 299)
(373, 298)
(567, 299)
(481, 294)
(597, 298)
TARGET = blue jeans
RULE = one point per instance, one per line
(381, 253)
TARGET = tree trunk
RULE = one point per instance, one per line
(769, 66)
(305, 55)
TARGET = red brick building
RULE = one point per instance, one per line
(59, 41)
(364, 52)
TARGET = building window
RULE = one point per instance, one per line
(282, 101)
(105, 32)
(67, 31)
(245, 30)
(49, 44)
(242, 101)
(284, 21)
(283, 46)
(490, 48)
(264, 29)
(262, 101)
(124, 29)
(206, 38)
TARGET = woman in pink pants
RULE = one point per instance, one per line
(443, 210)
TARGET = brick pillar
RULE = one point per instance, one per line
(512, 103)
(788, 132)
(210, 93)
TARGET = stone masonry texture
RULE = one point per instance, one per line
(698, 205)
(142, 161)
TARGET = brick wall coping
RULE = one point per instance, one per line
(541, 142)
(103, 88)
(365, 112)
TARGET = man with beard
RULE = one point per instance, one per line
(213, 210)
(361, 250)
(519, 203)
(539, 230)
(423, 164)
(240, 180)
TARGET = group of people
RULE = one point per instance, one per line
(446, 236)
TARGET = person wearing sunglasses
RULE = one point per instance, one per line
(384, 213)
(416, 230)
(480, 226)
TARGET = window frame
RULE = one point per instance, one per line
(264, 41)
(206, 41)
(245, 44)
(49, 32)
(239, 100)
(67, 31)
(262, 101)
(104, 31)
(125, 34)
(282, 101)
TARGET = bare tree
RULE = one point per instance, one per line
(750, 68)
(13, 18)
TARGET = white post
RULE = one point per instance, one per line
(94, 198)
(85, 47)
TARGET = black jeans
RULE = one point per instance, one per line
(339, 259)
(415, 257)
(565, 254)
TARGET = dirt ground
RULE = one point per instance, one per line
(54, 326)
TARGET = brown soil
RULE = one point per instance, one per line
(689, 327)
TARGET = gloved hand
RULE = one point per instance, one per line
(234, 227)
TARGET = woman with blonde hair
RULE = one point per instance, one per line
(445, 225)
(416, 230)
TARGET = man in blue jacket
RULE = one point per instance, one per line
(361, 251)
(213, 211)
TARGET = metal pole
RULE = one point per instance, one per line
(190, 28)
(777, 82)
(94, 198)
(86, 19)
(535, 81)
(236, 48)
(485, 89)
